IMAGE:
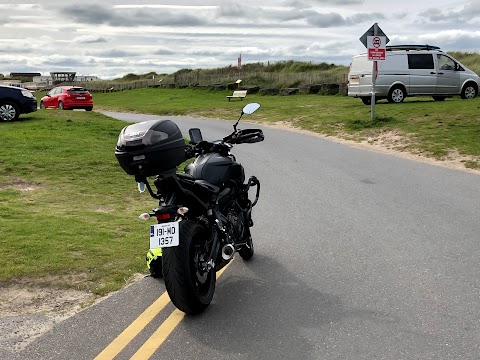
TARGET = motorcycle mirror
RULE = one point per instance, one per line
(250, 108)
(195, 136)
(247, 109)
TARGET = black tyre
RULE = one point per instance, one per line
(247, 251)
(8, 111)
(189, 284)
(42, 105)
(367, 100)
(60, 106)
(397, 94)
(438, 98)
(89, 108)
(469, 91)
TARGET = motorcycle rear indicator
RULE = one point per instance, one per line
(150, 148)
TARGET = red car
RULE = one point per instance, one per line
(67, 98)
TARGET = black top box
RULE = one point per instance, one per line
(150, 148)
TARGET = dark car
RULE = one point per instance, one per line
(15, 101)
(67, 98)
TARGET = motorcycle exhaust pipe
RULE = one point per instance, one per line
(227, 252)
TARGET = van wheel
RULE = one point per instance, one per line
(469, 91)
(396, 95)
(367, 100)
(438, 98)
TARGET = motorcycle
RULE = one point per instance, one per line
(204, 214)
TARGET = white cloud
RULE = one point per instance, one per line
(117, 37)
(89, 39)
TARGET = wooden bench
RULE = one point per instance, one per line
(238, 94)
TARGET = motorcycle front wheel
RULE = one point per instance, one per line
(189, 284)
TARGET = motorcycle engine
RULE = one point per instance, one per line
(235, 224)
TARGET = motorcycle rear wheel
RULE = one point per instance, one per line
(190, 286)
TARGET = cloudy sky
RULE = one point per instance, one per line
(109, 39)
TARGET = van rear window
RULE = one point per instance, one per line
(360, 64)
(420, 61)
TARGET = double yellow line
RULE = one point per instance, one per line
(157, 338)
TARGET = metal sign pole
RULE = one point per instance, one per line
(374, 77)
(374, 80)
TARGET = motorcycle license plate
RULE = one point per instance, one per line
(164, 235)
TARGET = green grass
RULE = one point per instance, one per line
(68, 209)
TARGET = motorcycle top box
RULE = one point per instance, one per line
(150, 148)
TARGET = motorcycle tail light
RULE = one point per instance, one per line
(163, 216)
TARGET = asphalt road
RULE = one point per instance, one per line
(359, 255)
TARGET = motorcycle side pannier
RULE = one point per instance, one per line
(150, 148)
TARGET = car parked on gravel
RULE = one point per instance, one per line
(67, 98)
(15, 101)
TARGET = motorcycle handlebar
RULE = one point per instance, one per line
(237, 137)
(245, 136)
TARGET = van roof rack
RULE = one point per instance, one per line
(411, 47)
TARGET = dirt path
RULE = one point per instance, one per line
(28, 310)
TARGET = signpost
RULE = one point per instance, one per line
(375, 41)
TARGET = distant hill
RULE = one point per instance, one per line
(288, 73)
(469, 59)
(251, 71)
(287, 66)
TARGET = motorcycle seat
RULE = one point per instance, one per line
(205, 184)
(186, 176)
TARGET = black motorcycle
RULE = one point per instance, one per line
(204, 214)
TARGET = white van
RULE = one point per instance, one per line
(411, 70)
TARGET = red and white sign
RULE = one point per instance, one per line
(376, 47)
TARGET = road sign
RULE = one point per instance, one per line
(375, 41)
(373, 31)
(376, 47)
